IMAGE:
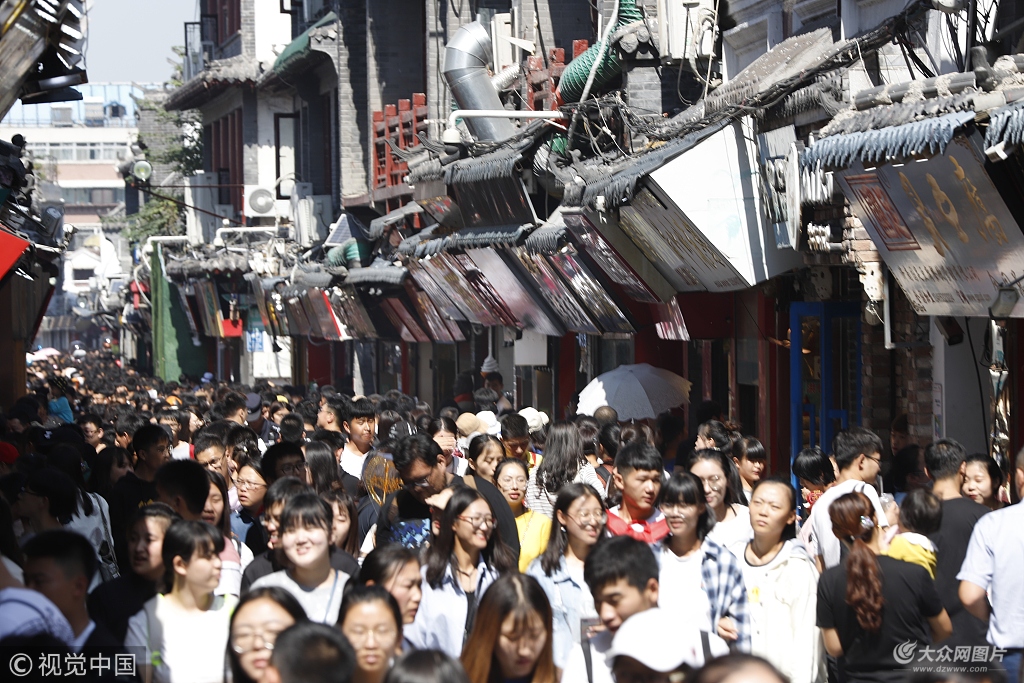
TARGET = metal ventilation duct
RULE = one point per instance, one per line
(465, 69)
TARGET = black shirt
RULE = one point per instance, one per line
(406, 520)
(265, 564)
(910, 599)
(959, 515)
(113, 603)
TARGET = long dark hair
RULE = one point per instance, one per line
(283, 599)
(99, 476)
(563, 457)
(558, 541)
(686, 488)
(517, 595)
(733, 494)
(721, 433)
(224, 523)
(384, 562)
(441, 553)
(853, 522)
(183, 539)
(343, 500)
(323, 467)
(427, 666)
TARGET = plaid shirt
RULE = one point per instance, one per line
(722, 580)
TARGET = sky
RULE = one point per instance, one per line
(131, 40)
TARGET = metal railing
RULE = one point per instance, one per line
(200, 41)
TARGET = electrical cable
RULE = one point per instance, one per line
(981, 389)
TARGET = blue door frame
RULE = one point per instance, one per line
(826, 312)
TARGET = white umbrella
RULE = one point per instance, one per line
(48, 351)
(635, 392)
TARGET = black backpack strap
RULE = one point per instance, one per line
(705, 644)
(587, 656)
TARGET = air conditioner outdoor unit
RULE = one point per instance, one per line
(313, 217)
(262, 202)
(687, 30)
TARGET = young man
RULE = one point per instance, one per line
(515, 436)
(172, 420)
(183, 486)
(360, 426)
(992, 567)
(125, 428)
(152, 448)
(233, 408)
(211, 454)
(330, 416)
(311, 653)
(61, 566)
(92, 429)
(944, 465)
(285, 459)
(641, 650)
(405, 515)
(858, 454)
(622, 575)
(292, 428)
(496, 383)
(637, 473)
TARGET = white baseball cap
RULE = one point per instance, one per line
(640, 636)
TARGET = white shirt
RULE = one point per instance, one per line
(576, 664)
(352, 461)
(734, 530)
(79, 642)
(822, 541)
(322, 604)
(681, 590)
(25, 612)
(182, 451)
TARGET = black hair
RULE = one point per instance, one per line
(160, 511)
(58, 488)
(451, 412)
(224, 523)
(994, 472)
(283, 490)
(185, 478)
(346, 502)
(67, 458)
(733, 493)
(323, 467)
(620, 557)
(441, 424)
(813, 466)
(685, 488)
(384, 562)
(718, 432)
(480, 443)
(132, 423)
(90, 418)
(609, 439)
(185, 538)
(779, 480)
(146, 436)
(292, 428)
(441, 552)
(921, 512)
(71, 552)
(416, 447)
(494, 377)
(276, 453)
(360, 594)
(638, 455)
(510, 462)
(514, 426)
(750, 448)
(308, 652)
(944, 457)
(427, 666)
(243, 443)
(233, 402)
(590, 432)
(849, 444)
(276, 594)
(558, 540)
(307, 510)
(360, 408)
(563, 457)
(486, 399)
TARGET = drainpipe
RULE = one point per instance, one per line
(466, 57)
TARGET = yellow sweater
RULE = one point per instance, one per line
(534, 529)
(913, 548)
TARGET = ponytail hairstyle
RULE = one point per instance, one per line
(853, 522)
(723, 434)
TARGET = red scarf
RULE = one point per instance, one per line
(649, 532)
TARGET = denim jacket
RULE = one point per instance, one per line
(441, 619)
(568, 600)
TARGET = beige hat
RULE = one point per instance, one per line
(468, 423)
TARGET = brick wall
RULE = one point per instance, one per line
(395, 55)
(353, 96)
(157, 130)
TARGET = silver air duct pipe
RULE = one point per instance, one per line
(465, 69)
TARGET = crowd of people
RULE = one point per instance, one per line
(276, 534)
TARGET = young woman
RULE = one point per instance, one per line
(724, 497)
(444, 432)
(252, 488)
(167, 625)
(689, 554)
(715, 434)
(305, 532)
(870, 604)
(260, 616)
(750, 458)
(464, 558)
(564, 463)
(323, 467)
(534, 528)
(511, 638)
(345, 532)
(236, 556)
(92, 519)
(109, 466)
(580, 518)
(983, 479)
(397, 569)
(114, 602)
(372, 622)
(816, 472)
(781, 580)
(484, 454)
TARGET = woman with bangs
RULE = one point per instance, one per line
(306, 525)
(511, 640)
(236, 555)
(167, 625)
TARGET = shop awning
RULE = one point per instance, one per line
(11, 249)
(296, 54)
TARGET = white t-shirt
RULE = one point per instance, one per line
(734, 530)
(757, 583)
(352, 461)
(681, 590)
(822, 541)
(183, 451)
(191, 645)
(576, 665)
(322, 604)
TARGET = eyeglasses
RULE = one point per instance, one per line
(421, 483)
(591, 519)
(245, 641)
(512, 483)
(478, 522)
(244, 485)
(294, 468)
(383, 633)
